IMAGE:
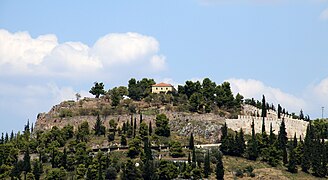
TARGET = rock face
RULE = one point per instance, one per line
(204, 126)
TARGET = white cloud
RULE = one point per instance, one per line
(158, 63)
(324, 14)
(22, 54)
(251, 88)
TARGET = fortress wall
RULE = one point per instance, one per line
(292, 125)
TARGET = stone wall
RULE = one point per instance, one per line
(292, 125)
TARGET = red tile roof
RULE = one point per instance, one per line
(162, 85)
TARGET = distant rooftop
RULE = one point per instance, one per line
(162, 85)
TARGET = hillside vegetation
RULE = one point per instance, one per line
(130, 133)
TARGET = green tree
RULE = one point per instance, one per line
(143, 130)
(131, 172)
(99, 128)
(191, 141)
(252, 146)
(37, 169)
(219, 171)
(27, 161)
(196, 102)
(150, 129)
(97, 89)
(80, 171)
(264, 109)
(207, 165)
(282, 141)
(123, 140)
(92, 172)
(292, 166)
(134, 148)
(307, 154)
(162, 125)
(176, 149)
(279, 111)
(111, 173)
(30, 176)
(57, 174)
(167, 170)
(83, 132)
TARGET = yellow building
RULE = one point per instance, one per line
(162, 88)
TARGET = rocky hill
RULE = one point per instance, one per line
(206, 127)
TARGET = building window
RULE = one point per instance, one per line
(167, 88)
(156, 88)
(161, 88)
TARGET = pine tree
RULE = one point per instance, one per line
(207, 165)
(191, 141)
(282, 141)
(219, 168)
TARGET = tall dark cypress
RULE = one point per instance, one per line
(140, 118)
(282, 141)
(134, 127)
(279, 111)
(264, 109)
(150, 129)
(252, 145)
(272, 136)
(307, 153)
(207, 165)
(191, 141)
(219, 168)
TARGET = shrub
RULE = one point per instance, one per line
(65, 113)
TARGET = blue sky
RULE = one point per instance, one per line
(49, 50)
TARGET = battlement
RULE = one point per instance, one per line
(292, 125)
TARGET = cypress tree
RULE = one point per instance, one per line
(272, 136)
(64, 159)
(292, 161)
(140, 118)
(241, 142)
(124, 128)
(279, 111)
(2, 139)
(219, 168)
(252, 146)
(37, 169)
(193, 159)
(207, 165)
(12, 135)
(191, 141)
(150, 129)
(189, 159)
(134, 127)
(6, 138)
(264, 109)
(282, 141)
(295, 141)
(27, 162)
(307, 154)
